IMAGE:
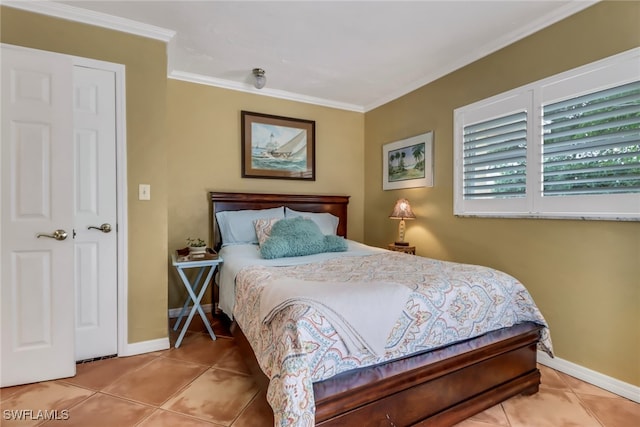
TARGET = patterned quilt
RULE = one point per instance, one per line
(448, 302)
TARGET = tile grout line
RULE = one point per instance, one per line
(159, 406)
(193, 417)
(208, 367)
(587, 408)
(117, 377)
(213, 366)
(93, 393)
(583, 404)
(181, 389)
(506, 416)
(254, 398)
(570, 389)
(146, 418)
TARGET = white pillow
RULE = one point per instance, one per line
(237, 227)
(327, 222)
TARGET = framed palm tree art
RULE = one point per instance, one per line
(408, 163)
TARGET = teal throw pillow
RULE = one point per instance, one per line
(297, 237)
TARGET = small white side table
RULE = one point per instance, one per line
(192, 288)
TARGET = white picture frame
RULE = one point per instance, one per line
(408, 163)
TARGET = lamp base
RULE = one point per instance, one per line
(401, 243)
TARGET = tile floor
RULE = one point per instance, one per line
(204, 383)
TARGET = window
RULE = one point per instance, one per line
(564, 147)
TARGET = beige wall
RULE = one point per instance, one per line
(203, 133)
(145, 62)
(584, 275)
(197, 128)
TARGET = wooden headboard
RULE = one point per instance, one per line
(219, 202)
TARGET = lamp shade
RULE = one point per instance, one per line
(402, 210)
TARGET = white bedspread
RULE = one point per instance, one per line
(363, 313)
(236, 257)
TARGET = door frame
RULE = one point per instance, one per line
(122, 235)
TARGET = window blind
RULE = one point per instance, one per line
(495, 157)
(591, 143)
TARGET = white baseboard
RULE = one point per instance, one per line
(613, 385)
(144, 347)
(175, 312)
(158, 344)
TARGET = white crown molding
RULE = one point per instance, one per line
(70, 13)
(508, 38)
(64, 11)
(243, 87)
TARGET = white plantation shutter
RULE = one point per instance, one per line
(564, 147)
(592, 143)
(495, 157)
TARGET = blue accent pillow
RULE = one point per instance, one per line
(297, 237)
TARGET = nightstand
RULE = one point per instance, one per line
(192, 288)
(406, 249)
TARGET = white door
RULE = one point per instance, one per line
(95, 213)
(58, 171)
(36, 181)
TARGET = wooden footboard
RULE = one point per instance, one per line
(438, 388)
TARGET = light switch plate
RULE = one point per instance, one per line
(144, 192)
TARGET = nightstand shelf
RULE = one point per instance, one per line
(399, 248)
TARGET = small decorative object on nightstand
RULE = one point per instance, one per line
(402, 210)
(196, 246)
(402, 248)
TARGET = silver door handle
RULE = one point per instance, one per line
(58, 235)
(105, 228)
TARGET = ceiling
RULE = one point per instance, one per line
(354, 55)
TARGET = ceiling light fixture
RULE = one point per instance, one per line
(261, 80)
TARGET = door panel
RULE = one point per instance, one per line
(36, 175)
(32, 289)
(94, 205)
(30, 156)
(87, 295)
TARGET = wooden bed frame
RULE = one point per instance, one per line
(436, 388)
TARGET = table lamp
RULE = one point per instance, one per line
(402, 210)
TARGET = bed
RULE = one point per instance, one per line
(326, 376)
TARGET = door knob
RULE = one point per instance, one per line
(58, 235)
(105, 228)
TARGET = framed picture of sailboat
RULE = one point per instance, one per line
(278, 147)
